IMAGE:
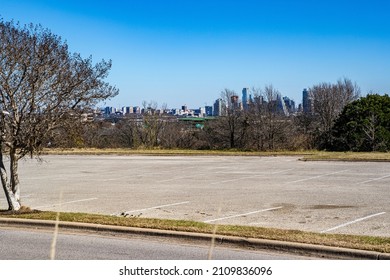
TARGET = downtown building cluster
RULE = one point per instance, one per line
(284, 105)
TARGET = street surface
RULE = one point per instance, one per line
(20, 244)
(278, 192)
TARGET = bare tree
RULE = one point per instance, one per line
(257, 111)
(124, 133)
(267, 119)
(304, 125)
(149, 131)
(271, 115)
(42, 85)
(330, 100)
(230, 129)
(370, 128)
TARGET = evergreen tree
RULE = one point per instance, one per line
(364, 125)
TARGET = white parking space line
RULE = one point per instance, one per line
(353, 222)
(315, 177)
(68, 202)
(182, 177)
(376, 179)
(250, 177)
(170, 171)
(238, 173)
(156, 207)
(245, 214)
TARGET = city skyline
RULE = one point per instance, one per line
(187, 52)
(244, 97)
(284, 105)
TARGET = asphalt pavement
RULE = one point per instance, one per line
(276, 192)
(32, 239)
(22, 244)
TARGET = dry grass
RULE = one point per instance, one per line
(378, 244)
(171, 152)
(305, 155)
(348, 156)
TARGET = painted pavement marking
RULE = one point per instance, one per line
(68, 202)
(353, 222)
(315, 177)
(245, 214)
(250, 177)
(157, 207)
(376, 179)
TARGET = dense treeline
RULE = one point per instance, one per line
(339, 120)
(364, 125)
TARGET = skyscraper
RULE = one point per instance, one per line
(307, 102)
(209, 111)
(234, 102)
(281, 105)
(219, 107)
(245, 98)
(290, 104)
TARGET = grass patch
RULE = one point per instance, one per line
(378, 244)
(305, 155)
(171, 152)
(348, 156)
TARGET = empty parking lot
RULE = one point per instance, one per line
(280, 192)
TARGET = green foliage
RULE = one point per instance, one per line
(364, 125)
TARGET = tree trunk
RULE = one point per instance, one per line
(11, 187)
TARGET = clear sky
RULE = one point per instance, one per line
(186, 52)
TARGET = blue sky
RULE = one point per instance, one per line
(187, 52)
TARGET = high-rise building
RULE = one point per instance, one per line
(259, 100)
(219, 107)
(137, 110)
(209, 110)
(109, 111)
(281, 106)
(200, 112)
(290, 104)
(234, 102)
(245, 98)
(127, 110)
(307, 102)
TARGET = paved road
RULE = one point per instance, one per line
(280, 192)
(19, 244)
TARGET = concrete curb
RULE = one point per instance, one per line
(291, 247)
